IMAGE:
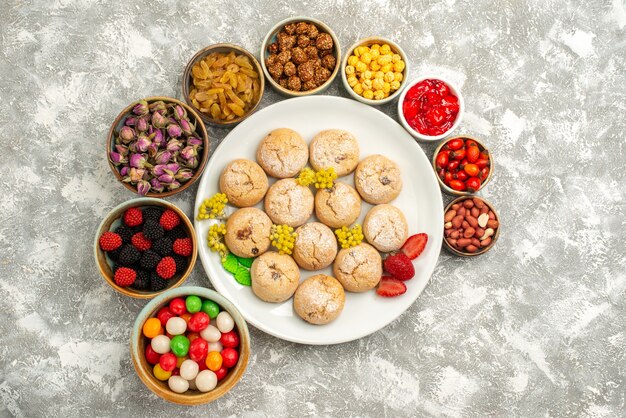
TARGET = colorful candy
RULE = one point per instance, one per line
(225, 322)
(214, 360)
(189, 370)
(180, 345)
(199, 321)
(161, 344)
(152, 328)
(206, 381)
(193, 304)
(210, 308)
(176, 326)
(178, 384)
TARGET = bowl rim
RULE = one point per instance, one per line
(225, 385)
(450, 190)
(427, 138)
(141, 202)
(493, 239)
(199, 124)
(290, 93)
(370, 40)
(186, 81)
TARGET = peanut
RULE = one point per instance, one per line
(455, 206)
(492, 223)
(452, 241)
(465, 224)
(475, 242)
(455, 234)
(488, 233)
(468, 203)
(449, 215)
(479, 232)
(485, 209)
(461, 211)
(457, 221)
(478, 203)
(469, 232)
(472, 221)
(447, 232)
(492, 215)
(482, 220)
(471, 248)
(463, 242)
(475, 212)
(485, 242)
(447, 225)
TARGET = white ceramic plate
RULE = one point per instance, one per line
(420, 200)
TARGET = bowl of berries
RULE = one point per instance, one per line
(144, 246)
(463, 165)
(190, 345)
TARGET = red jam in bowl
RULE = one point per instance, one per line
(430, 107)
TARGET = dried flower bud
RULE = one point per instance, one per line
(123, 150)
(156, 185)
(180, 112)
(193, 141)
(138, 161)
(153, 149)
(192, 162)
(141, 108)
(174, 131)
(142, 125)
(127, 134)
(142, 144)
(124, 171)
(159, 139)
(130, 121)
(174, 145)
(172, 167)
(158, 120)
(186, 127)
(166, 178)
(158, 105)
(143, 187)
(188, 152)
(136, 174)
(162, 157)
(117, 158)
(184, 174)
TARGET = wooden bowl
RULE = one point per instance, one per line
(144, 369)
(494, 238)
(188, 82)
(367, 42)
(450, 190)
(271, 37)
(200, 129)
(113, 219)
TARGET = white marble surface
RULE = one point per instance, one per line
(534, 328)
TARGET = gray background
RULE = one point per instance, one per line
(535, 327)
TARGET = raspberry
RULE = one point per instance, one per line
(178, 232)
(142, 281)
(133, 217)
(162, 246)
(181, 263)
(152, 230)
(183, 246)
(110, 241)
(156, 282)
(169, 220)
(125, 232)
(125, 276)
(152, 213)
(149, 260)
(166, 268)
(129, 255)
(140, 241)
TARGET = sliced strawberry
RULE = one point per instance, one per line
(399, 266)
(414, 246)
(390, 287)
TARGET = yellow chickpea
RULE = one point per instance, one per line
(378, 84)
(353, 60)
(375, 53)
(386, 68)
(367, 84)
(384, 59)
(361, 66)
(395, 58)
(352, 81)
(395, 85)
(389, 77)
(386, 87)
(366, 57)
(368, 94)
(386, 94)
(358, 88)
(350, 69)
(364, 49)
(398, 66)
(379, 74)
(385, 49)
(368, 75)
(374, 66)
(375, 47)
(379, 95)
(398, 76)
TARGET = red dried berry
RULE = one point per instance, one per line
(110, 241)
(169, 220)
(140, 242)
(125, 276)
(166, 268)
(133, 217)
(183, 246)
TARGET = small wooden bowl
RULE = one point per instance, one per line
(144, 369)
(368, 42)
(494, 238)
(188, 82)
(113, 218)
(450, 190)
(200, 128)
(271, 37)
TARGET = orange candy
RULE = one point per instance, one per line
(192, 336)
(186, 317)
(179, 360)
(214, 361)
(152, 327)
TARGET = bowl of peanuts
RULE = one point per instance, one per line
(224, 83)
(471, 226)
(300, 56)
(374, 70)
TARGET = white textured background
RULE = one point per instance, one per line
(536, 327)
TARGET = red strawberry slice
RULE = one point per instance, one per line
(399, 266)
(390, 287)
(414, 246)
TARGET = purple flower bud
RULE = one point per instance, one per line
(136, 174)
(174, 185)
(142, 143)
(156, 185)
(192, 162)
(138, 160)
(188, 152)
(142, 125)
(172, 167)
(124, 171)
(184, 174)
(122, 149)
(117, 158)
(150, 129)
(159, 139)
(127, 134)
(186, 126)
(143, 187)
(166, 178)
(174, 131)
(193, 141)
(174, 145)
(158, 120)
(180, 112)
(141, 108)
(130, 121)
(158, 169)
(158, 105)
(153, 149)
(163, 157)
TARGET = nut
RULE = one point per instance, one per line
(492, 223)
(469, 232)
(482, 220)
(468, 203)
(449, 215)
(484, 243)
(472, 221)
(324, 41)
(448, 225)
(471, 248)
(457, 221)
(488, 232)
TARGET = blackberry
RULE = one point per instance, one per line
(142, 280)
(162, 246)
(129, 255)
(156, 282)
(152, 230)
(152, 213)
(176, 233)
(115, 254)
(125, 232)
(149, 260)
(181, 263)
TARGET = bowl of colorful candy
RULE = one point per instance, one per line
(190, 345)
(463, 165)
(157, 147)
(430, 108)
(145, 246)
(374, 70)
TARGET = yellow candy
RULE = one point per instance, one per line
(379, 74)
(377, 84)
(386, 68)
(352, 81)
(375, 53)
(395, 85)
(386, 87)
(368, 94)
(398, 66)
(385, 49)
(358, 88)
(366, 57)
(367, 84)
(384, 59)
(350, 69)
(353, 60)
(375, 47)
(389, 77)
(361, 66)
(160, 374)
(395, 58)
(379, 94)
(374, 66)
(398, 76)
(386, 94)
(367, 75)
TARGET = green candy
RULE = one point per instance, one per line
(210, 308)
(179, 345)
(193, 303)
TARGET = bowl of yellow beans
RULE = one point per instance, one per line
(374, 70)
(224, 83)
